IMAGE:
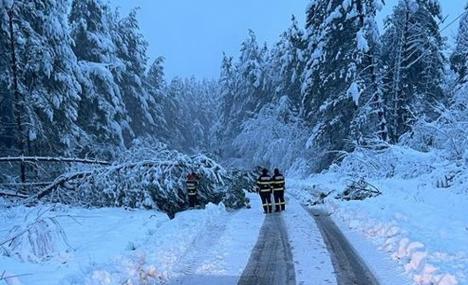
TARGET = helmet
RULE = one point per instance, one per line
(277, 172)
(264, 171)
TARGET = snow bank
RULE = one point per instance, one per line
(419, 220)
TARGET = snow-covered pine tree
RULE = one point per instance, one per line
(131, 50)
(287, 65)
(164, 106)
(205, 100)
(414, 63)
(340, 35)
(175, 114)
(370, 121)
(252, 78)
(274, 135)
(228, 89)
(47, 74)
(102, 112)
(8, 127)
(456, 119)
(155, 75)
(193, 111)
(244, 89)
(459, 58)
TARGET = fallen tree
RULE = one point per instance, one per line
(151, 178)
(52, 159)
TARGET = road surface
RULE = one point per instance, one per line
(349, 266)
(271, 262)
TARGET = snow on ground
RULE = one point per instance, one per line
(116, 246)
(220, 250)
(88, 233)
(419, 226)
(312, 262)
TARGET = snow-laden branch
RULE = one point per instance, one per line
(13, 194)
(32, 184)
(52, 159)
(60, 181)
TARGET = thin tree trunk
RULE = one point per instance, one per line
(18, 104)
(398, 114)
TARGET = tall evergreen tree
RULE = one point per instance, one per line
(8, 135)
(162, 107)
(287, 64)
(370, 120)
(102, 111)
(228, 89)
(155, 75)
(192, 111)
(47, 74)
(244, 87)
(131, 50)
(414, 63)
(341, 35)
(459, 58)
(252, 77)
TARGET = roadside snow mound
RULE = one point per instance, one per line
(419, 220)
(406, 163)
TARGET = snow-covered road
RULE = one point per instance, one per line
(209, 246)
(271, 261)
(292, 248)
(349, 266)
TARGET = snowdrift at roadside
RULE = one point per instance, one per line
(420, 218)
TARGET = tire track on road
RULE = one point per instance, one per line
(271, 261)
(349, 266)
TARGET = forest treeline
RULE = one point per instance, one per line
(75, 80)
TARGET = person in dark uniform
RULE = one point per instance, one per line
(192, 183)
(264, 189)
(277, 184)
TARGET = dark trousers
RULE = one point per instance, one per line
(280, 203)
(192, 199)
(266, 201)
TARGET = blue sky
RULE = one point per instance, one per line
(192, 34)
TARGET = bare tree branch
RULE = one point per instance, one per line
(52, 159)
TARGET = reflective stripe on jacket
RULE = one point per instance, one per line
(264, 183)
(277, 183)
(191, 186)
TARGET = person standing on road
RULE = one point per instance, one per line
(278, 186)
(264, 188)
(192, 183)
